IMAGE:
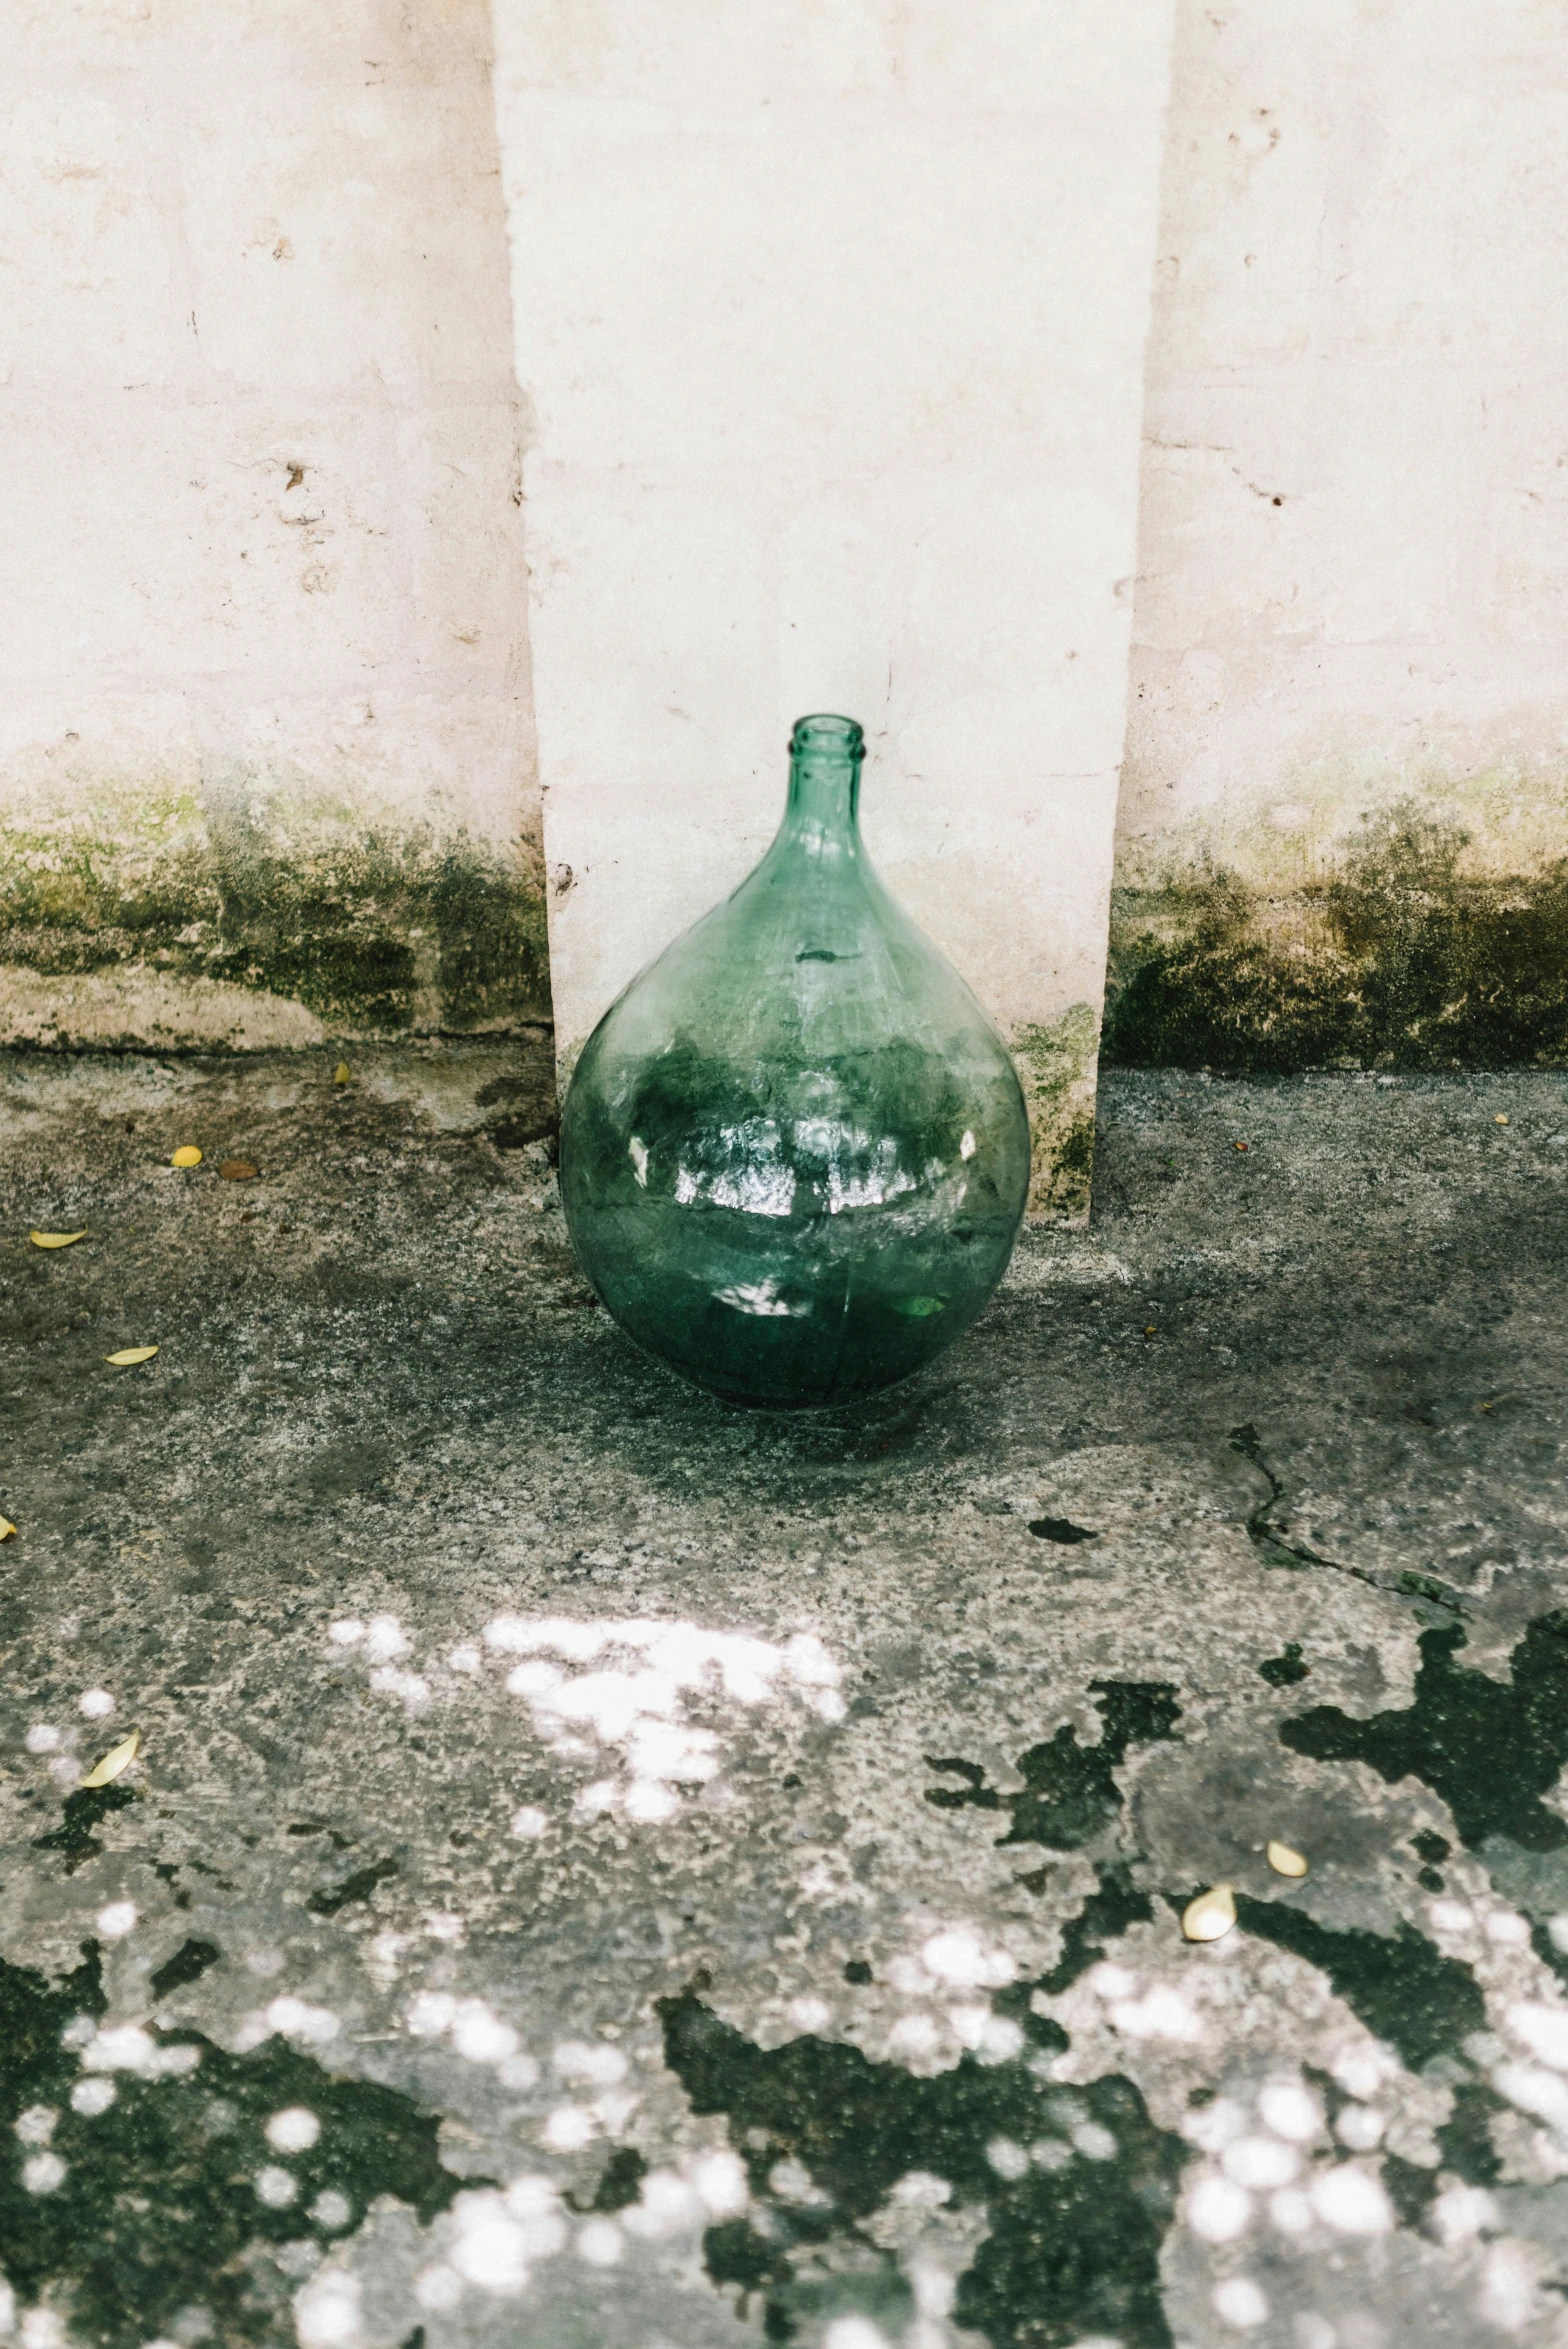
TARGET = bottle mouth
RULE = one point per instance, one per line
(827, 736)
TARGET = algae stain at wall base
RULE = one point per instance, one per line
(1427, 933)
(169, 924)
(1057, 1063)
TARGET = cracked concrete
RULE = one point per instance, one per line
(607, 1871)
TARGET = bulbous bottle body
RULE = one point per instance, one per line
(794, 1152)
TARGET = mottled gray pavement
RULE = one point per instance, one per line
(604, 1872)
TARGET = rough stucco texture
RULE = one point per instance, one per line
(1341, 822)
(266, 759)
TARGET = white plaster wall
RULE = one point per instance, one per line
(261, 564)
(832, 315)
(1354, 551)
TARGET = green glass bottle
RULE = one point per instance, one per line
(794, 1153)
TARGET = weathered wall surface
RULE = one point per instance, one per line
(833, 321)
(1345, 808)
(265, 753)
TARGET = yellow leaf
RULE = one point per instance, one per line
(1284, 1861)
(1211, 1915)
(1499, 1120)
(129, 1354)
(186, 1155)
(6, 1529)
(341, 1074)
(56, 1239)
(118, 1758)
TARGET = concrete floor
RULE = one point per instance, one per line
(603, 1872)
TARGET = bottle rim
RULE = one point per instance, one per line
(823, 732)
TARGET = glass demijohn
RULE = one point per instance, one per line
(794, 1153)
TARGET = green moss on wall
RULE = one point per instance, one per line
(1399, 953)
(374, 930)
(1057, 1063)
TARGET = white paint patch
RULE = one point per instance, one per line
(810, 2014)
(1508, 2288)
(331, 2210)
(1162, 2013)
(1451, 1916)
(386, 1642)
(1290, 2211)
(569, 2128)
(720, 2180)
(42, 2329)
(43, 2173)
(1351, 2201)
(1507, 1929)
(1460, 2213)
(388, 1680)
(1544, 2030)
(480, 2036)
(1534, 2090)
(116, 1920)
(1359, 2127)
(326, 2311)
(43, 1738)
(854, 2332)
(588, 2060)
(1009, 2160)
(1291, 2111)
(600, 2243)
(96, 1703)
(465, 1658)
(445, 1925)
(36, 2125)
(1218, 2210)
(91, 2097)
(1240, 2303)
(1212, 2126)
(490, 2250)
(438, 2288)
(294, 2130)
(275, 2187)
(297, 2020)
(65, 1770)
(958, 1957)
(1260, 2162)
(646, 1695)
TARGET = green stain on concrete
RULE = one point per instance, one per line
(157, 2213)
(1070, 1792)
(1398, 950)
(375, 928)
(1072, 2252)
(1401, 1985)
(1490, 1748)
(1285, 1669)
(1115, 1903)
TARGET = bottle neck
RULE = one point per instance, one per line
(821, 814)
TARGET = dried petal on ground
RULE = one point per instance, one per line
(1500, 1119)
(6, 1529)
(238, 1170)
(186, 1155)
(129, 1354)
(118, 1758)
(56, 1239)
(1284, 1861)
(341, 1074)
(1210, 1916)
